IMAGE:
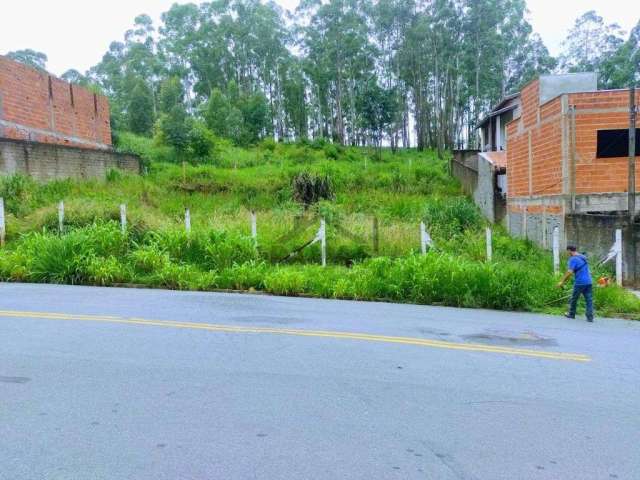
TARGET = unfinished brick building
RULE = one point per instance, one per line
(567, 153)
(39, 107)
(53, 129)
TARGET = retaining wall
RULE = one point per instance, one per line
(46, 162)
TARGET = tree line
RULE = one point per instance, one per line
(354, 72)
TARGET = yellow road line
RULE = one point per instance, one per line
(474, 347)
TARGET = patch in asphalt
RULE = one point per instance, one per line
(431, 331)
(14, 379)
(497, 337)
(267, 319)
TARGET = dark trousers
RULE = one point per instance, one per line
(578, 290)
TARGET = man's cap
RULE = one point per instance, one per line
(571, 248)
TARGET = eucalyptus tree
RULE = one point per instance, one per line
(589, 42)
(30, 57)
(391, 20)
(125, 65)
(623, 67)
(339, 55)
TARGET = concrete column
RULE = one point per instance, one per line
(619, 256)
(2, 226)
(123, 218)
(187, 220)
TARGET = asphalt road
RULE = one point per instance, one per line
(116, 384)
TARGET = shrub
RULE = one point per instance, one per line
(268, 144)
(201, 142)
(447, 217)
(310, 188)
(17, 193)
(331, 151)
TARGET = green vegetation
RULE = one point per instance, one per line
(290, 187)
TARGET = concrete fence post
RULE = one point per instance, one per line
(123, 218)
(425, 239)
(619, 256)
(254, 227)
(3, 230)
(556, 249)
(488, 235)
(61, 217)
(376, 235)
(323, 241)
(187, 220)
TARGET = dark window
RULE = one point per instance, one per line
(615, 143)
(71, 95)
(50, 89)
(95, 104)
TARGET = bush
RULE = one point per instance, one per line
(331, 151)
(446, 217)
(310, 188)
(17, 193)
(201, 142)
(146, 148)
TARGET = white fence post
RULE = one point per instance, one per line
(488, 235)
(254, 227)
(619, 256)
(323, 242)
(3, 230)
(123, 218)
(187, 220)
(61, 216)
(425, 239)
(556, 249)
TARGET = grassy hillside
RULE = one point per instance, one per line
(394, 191)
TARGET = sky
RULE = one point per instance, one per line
(76, 33)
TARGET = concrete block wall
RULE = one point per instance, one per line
(536, 223)
(484, 195)
(39, 107)
(595, 234)
(46, 162)
(467, 175)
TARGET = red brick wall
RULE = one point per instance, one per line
(40, 107)
(600, 111)
(538, 133)
(529, 98)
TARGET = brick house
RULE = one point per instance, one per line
(37, 106)
(559, 150)
(567, 154)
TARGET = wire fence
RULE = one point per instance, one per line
(347, 243)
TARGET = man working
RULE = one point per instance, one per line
(579, 267)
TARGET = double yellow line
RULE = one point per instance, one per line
(423, 342)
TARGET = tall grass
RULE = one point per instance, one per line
(398, 191)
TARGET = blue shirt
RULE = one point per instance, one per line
(580, 268)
